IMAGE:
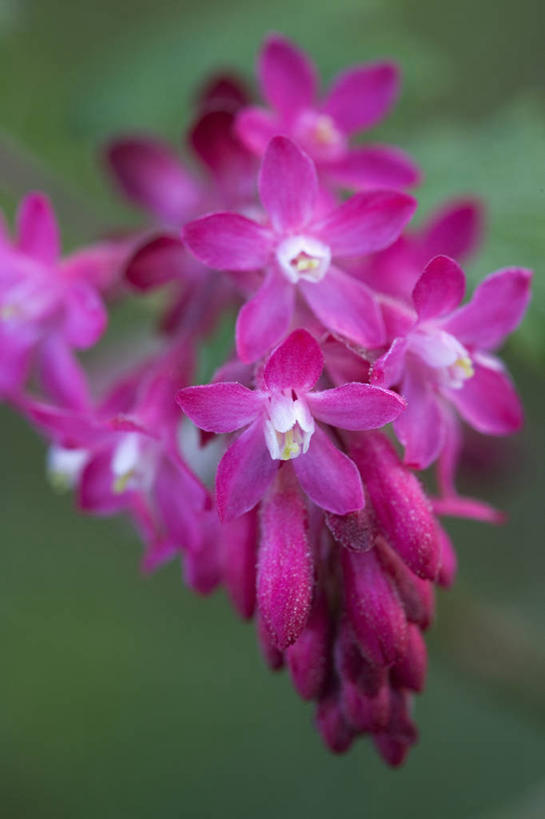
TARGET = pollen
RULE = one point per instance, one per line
(466, 366)
(304, 263)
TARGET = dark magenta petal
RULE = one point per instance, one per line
(239, 544)
(220, 407)
(440, 288)
(410, 671)
(329, 477)
(228, 241)
(308, 657)
(288, 77)
(95, 490)
(388, 369)
(296, 364)
(288, 185)
(244, 473)
(156, 262)
(362, 96)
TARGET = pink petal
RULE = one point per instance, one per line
(85, 318)
(308, 657)
(374, 608)
(356, 406)
(255, 127)
(496, 308)
(61, 376)
(244, 473)
(272, 656)
(410, 671)
(157, 261)
(285, 567)
(220, 407)
(288, 185)
(449, 561)
(239, 540)
(15, 361)
(456, 506)
(366, 222)
(150, 174)
(37, 229)
(388, 369)
(439, 289)
(421, 428)
(215, 142)
(228, 241)
(456, 230)
(297, 363)
(335, 731)
(329, 477)
(345, 306)
(95, 490)
(374, 166)
(287, 76)
(362, 96)
(264, 319)
(223, 91)
(180, 499)
(488, 401)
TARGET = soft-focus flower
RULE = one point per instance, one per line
(359, 98)
(445, 356)
(297, 249)
(280, 417)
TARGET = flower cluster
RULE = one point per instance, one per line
(291, 493)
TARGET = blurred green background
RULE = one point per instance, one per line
(131, 697)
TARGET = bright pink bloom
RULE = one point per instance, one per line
(445, 357)
(48, 306)
(358, 99)
(297, 248)
(280, 426)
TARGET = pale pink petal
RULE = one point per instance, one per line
(150, 174)
(61, 376)
(488, 401)
(287, 76)
(345, 306)
(220, 407)
(420, 428)
(288, 185)
(244, 473)
(497, 307)
(329, 477)
(228, 241)
(285, 567)
(85, 316)
(255, 127)
(356, 406)
(37, 230)
(388, 369)
(159, 260)
(296, 364)
(366, 222)
(440, 288)
(362, 96)
(374, 166)
(456, 230)
(264, 319)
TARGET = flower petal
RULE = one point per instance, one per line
(440, 288)
(308, 657)
(239, 543)
(329, 477)
(95, 490)
(488, 401)
(288, 185)
(296, 364)
(366, 222)
(285, 567)
(362, 96)
(156, 262)
(220, 407)
(356, 406)
(455, 230)
(62, 377)
(264, 319)
(228, 241)
(421, 428)
(287, 76)
(374, 166)
(255, 127)
(180, 498)
(345, 306)
(496, 308)
(150, 174)
(37, 229)
(388, 369)
(85, 318)
(244, 473)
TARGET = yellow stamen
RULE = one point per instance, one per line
(291, 447)
(325, 131)
(120, 483)
(466, 366)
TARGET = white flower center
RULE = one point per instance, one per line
(64, 466)
(133, 463)
(303, 257)
(319, 135)
(288, 427)
(444, 353)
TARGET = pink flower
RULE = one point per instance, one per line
(280, 419)
(297, 248)
(445, 357)
(48, 306)
(358, 99)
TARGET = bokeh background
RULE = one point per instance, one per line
(130, 697)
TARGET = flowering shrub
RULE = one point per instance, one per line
(316, 521)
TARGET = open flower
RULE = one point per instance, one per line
(296, 247)
(445, 357)
(359, 98)
(280, 419)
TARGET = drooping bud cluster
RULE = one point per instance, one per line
(294, 493)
